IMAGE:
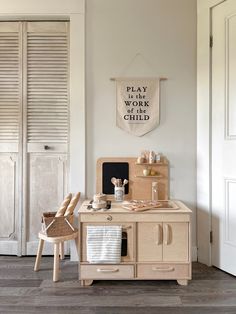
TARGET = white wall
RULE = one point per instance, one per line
(164, 33)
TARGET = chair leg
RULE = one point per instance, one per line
(39, 254)
(56, 262)
(61, 248)
(77, 245)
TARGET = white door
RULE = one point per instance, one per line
(10, 113)
(45, 134)
(34, 104)
(224, 136)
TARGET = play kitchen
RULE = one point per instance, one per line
(130, 229)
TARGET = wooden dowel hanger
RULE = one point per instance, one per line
(160, 78)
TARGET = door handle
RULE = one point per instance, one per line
(159, 234)
(167, 234)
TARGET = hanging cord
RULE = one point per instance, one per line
(138, 54)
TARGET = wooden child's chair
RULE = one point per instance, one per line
(58, 229)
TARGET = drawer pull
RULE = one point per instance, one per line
(168, 269)
(102, 270)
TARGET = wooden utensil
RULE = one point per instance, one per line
(125, 182)
(114, 181)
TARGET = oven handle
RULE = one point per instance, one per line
(126, 228)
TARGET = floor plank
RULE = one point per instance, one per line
(24, 291)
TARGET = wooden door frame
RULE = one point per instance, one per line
(74, 11)
(204, 138)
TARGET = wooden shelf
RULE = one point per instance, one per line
(142, 176)
(153, 164)
(140, 191)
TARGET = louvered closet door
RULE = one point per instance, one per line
(46, 115)
(10, 104)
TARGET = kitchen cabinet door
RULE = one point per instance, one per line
(149, 242)
(176, 242)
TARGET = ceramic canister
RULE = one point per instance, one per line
(119, 193)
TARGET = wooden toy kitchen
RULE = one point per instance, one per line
(143, 235)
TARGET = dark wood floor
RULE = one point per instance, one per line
(24, 291)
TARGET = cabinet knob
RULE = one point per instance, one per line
(46, 147)
(109, 218)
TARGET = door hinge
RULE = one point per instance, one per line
(211, 236)
(211, 41)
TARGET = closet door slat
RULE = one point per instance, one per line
(47, 82)
(9, 82)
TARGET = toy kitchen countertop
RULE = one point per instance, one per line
(157, 243)
(164, 206)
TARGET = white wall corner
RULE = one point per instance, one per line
(194, 254)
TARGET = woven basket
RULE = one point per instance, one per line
(57, 226)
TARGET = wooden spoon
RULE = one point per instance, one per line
(125, 182)
(113, 181)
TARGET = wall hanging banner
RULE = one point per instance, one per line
(137, 104)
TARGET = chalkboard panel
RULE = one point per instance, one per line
(119, 170)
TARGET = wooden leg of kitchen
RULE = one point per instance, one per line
(182, 282)
(87, 282)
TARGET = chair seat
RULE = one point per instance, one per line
(58, 243)
(71, 236)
